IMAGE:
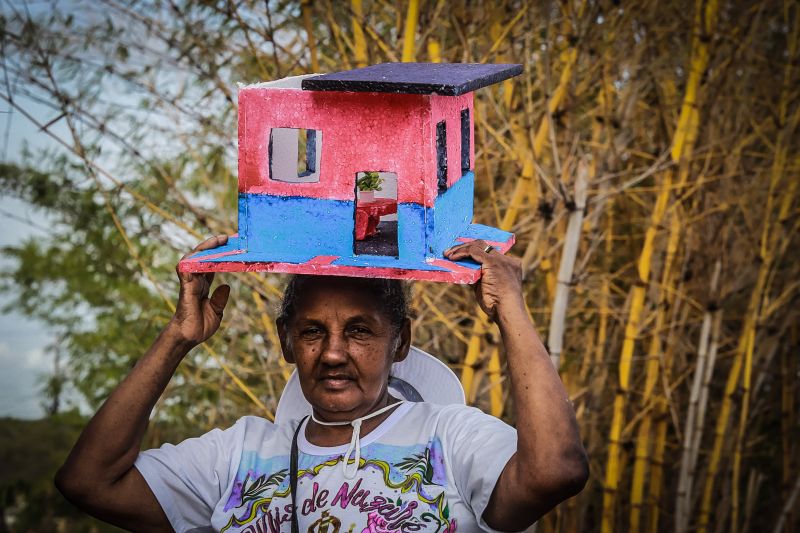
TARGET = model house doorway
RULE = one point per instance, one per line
(375, 230)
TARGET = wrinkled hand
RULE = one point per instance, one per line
(197, 317)
(500, 286)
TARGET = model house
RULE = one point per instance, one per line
(367, 172)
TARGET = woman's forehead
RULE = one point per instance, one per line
(345, 295)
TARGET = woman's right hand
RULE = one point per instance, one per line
(197, 316)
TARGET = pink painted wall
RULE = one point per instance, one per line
(360, 131)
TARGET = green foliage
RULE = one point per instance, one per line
(370, 181)
(30, 453)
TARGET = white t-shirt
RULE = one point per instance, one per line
(426, 467)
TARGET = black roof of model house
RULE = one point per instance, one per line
(447, 79)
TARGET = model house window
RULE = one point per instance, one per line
(465, 140)
(294, 155)
(441, 156)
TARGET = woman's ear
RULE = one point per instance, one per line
(404, 342)
(283, 336)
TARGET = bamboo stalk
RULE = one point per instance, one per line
(555, 338)
(272, 335)
(522, 188)
(753, 486)
(682, 146)
(471, 359)
(305, 7)
(788, 422)
(641, 459)
(359, 43)
(495, 383)
(658, 463)
(767, 244)
(737, 453)
(613, 472)
(702, 378)
(434, 51)
(410, 31)
(788, 507)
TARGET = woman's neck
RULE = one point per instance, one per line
(327, 436)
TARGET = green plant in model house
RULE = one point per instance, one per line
(370, 181)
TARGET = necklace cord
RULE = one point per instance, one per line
(293, 456)
(355, 441)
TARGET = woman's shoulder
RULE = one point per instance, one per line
(448, 408)
(454, 413)
(251, 428)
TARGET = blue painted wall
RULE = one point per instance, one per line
(290, 224)
(452, 213)
(411, 231)
(294, 224)
(242, 224)
(313, 226)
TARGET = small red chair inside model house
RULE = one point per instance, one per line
(367, 172)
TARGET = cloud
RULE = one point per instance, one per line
(37, 359)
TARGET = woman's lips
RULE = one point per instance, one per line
(336, 382)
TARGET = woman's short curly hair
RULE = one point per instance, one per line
(390, 294)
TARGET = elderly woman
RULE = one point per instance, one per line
(363, 458)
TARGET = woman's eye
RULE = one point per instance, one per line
(360, 331)
(311, 332)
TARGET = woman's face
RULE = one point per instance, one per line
(343, 345)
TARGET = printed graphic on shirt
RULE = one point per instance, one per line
(397, 489)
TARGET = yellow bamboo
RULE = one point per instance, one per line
(641, 457)
(434, 51)
(410, 30)
(788, 417)
(658, 462)
(686, 132)
(239, 383)
(339, 38)
(524, 186)
(359, 43)
(272, 335)
(471, 358)
(626, 356)
(497, 35)
(732, 383)
(737, 454)
(135, 254)
(767, 245)
(682, 146)
(495, 384)
(452, 328)
(305, 6)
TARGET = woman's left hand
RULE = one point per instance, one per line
(500, 286)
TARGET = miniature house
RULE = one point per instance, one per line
(308, 144)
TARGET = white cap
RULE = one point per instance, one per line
(418, 377)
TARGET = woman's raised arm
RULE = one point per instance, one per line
(99, 476)
(550, 464)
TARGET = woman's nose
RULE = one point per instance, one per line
(334, 351)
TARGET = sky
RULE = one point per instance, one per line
(25, 359)
(23, 342)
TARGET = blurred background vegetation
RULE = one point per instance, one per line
(647, 160)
